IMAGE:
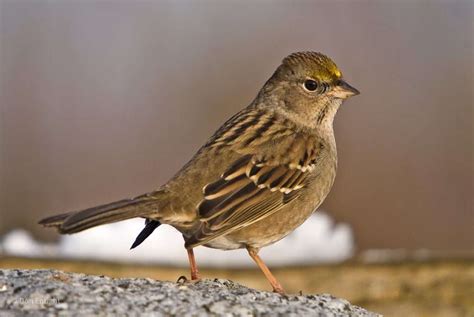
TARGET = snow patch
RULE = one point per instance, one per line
(21, 243)
(318, 240)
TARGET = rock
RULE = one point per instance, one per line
(51, 293)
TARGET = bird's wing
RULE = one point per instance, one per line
(254, 187)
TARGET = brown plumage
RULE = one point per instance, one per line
(257, 178)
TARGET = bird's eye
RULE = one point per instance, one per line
(310, 85)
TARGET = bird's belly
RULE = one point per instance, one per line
(264, 232)
(225, 243)
(272, 228)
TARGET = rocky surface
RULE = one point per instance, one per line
(53, 293)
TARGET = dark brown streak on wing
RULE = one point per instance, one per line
(238, 164)
(209, 209)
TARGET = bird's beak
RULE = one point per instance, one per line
(343, 90)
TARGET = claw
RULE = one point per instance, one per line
(182, 279)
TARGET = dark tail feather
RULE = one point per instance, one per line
(120, 210)
(55, 220)
(150, 226)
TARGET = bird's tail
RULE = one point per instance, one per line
(72, 222)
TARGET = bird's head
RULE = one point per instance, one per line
(310, 86)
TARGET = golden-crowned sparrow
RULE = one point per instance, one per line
(261, 175)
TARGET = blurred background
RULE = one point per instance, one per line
(104, 100)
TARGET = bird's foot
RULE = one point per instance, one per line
(183, 279)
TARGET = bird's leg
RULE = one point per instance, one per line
(195, 276)
(273, 281)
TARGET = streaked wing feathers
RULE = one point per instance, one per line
(252, 188)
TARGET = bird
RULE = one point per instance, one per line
(256, 179)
